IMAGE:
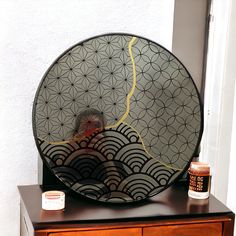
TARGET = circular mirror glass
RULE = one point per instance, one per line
(117, 118)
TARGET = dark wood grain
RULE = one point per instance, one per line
(174, 202)
(209, 229)
(171, 209)
(111, 232)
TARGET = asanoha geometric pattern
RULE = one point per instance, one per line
(117, 118)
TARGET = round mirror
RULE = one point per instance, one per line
(117, 118)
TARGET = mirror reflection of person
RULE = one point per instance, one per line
(91, 124)
(89, 127)
(88, 123)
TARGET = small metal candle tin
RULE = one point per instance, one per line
(199, 180)
(53, 200)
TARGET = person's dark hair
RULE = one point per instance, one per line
(88, 117)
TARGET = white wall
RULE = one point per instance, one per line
(231, 196)
(231, 73)
(33, 34)
(189, 36)
(219, 139)
(219, 95)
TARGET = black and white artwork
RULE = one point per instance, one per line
(117, 118)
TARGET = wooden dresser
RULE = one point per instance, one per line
(170, 213)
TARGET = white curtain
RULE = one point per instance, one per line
(219, 96)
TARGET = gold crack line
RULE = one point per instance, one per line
(144, 148)
(127, 110)
(131, 42)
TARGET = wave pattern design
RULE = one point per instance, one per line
(148, 109)
(126, 79)
(111, 165)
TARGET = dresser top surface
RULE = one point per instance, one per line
(169, 204)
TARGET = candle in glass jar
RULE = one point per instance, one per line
(199, 180)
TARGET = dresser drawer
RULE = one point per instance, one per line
(205, 229)
(110, 232)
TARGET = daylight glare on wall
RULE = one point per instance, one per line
(33, 34)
